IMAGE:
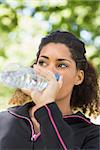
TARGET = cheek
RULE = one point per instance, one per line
(68, 80)
(68, 83)
(67, 86)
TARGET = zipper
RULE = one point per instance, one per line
(33, 135)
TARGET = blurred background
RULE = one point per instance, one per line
(24, 22)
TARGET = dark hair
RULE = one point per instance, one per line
(85, 95)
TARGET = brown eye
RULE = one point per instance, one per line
(42, 63)
(62, 65)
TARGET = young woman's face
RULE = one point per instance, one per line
(56, 57)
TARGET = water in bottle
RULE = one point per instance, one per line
(18, 76)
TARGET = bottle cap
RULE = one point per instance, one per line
(57, 76)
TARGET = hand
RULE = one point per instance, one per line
(48, 95)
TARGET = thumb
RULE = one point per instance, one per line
(35, 95)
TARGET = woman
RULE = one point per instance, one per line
(50, 121)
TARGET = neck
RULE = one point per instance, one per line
(64, 107)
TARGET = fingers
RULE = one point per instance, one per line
(35, 94)
(45, 73)
(48, 79)
(49, 76)
(26, 91)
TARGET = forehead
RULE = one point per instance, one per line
(56, 50)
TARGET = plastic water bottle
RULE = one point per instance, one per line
(18, 76)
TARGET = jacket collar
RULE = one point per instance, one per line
(77, 117)
(22, 110)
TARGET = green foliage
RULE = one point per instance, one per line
(23, 23)
(8, 18)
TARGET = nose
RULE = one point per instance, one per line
(52, 68)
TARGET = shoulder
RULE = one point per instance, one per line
(5, 116)
(4, 113)
(5, 119)
(94, 130)
(81, 121)
(20, 110)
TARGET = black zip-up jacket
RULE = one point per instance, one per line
(57, 132)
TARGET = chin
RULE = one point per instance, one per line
(60, 98)
(63, 97)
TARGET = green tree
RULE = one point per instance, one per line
(24, 22)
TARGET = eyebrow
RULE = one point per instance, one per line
(59, 59)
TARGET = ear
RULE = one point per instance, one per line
(79, 77)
